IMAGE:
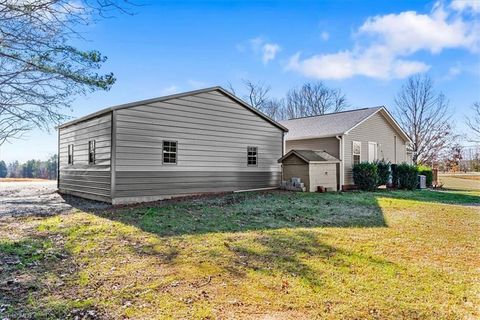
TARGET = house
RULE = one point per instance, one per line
(353, 136)
(314, 167)
(195, 142)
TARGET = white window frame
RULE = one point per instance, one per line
(176, 152)
(91, 151)
(70, 154)
(253, 156)
(375, 152)
(355, 154)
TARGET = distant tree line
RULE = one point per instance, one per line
(30, 169)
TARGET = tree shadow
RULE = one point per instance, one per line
(31, 269)
(241, 212)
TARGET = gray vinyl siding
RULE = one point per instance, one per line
(84, 179)
(212, 132)
(330, 145)
(375, 129)
(294, 167)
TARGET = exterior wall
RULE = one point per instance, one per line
(212, 132)
(83, 179)
(330, 145)
(375, 129)
(294, 167)
(323, 174)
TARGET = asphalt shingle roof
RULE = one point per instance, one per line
(327, 125)
(311, 155)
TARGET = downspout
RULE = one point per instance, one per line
(341, 154)
(58, 160)
(283, 153)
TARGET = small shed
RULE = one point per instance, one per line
(314, 167)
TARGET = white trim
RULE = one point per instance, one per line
(313, 137)
(375, 152)
(354, 154)
(341, 153)
(389, 118)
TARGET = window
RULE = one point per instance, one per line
(91, 152)
(70, 154)
(170, 152)
(252, 156)
(356, 151)
(372, 151)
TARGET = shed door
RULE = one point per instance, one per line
(372, 151)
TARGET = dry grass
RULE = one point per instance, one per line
(461, 182)
(384, 255)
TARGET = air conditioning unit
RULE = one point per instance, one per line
(422, 182)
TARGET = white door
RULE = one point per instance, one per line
(372, 151)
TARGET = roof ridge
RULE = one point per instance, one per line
(333, 113)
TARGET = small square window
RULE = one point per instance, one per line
(170, 152)
(70, 154)
(252, 156)
(91, 152)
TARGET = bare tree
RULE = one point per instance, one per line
(257, 94)
(40, 72)
(313, 99)
(474, 122)
(424, 115)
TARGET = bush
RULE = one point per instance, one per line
(365, 176)
(383, 170)
(393, 167)
(428, 173)
(407, 176)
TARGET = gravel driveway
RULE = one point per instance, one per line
(39, 198)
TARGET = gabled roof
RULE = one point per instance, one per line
(335, 124)
(175, 96)
(310, 156)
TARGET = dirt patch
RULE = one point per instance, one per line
(39, 198)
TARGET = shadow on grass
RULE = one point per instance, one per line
(252, 211)
(34, 267)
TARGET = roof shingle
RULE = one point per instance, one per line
(327, 125)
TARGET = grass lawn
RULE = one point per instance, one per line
(464, 182)
(275, 255)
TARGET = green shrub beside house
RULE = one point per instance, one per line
(369, 176)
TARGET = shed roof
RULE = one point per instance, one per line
(174, 96)
(334, 124)
(311, 156)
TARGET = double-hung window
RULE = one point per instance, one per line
(169, 152)
(356, 151)
(70, 154)
(252, 156)
(91, 152)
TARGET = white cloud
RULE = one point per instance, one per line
(408, 32)
(347, 64)
(325, 35)
(170, 90)
(384, 43)
(267, 50)
(465, 5)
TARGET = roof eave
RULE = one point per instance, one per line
(316, 137)
(169, 97)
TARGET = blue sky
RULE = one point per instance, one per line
(365, 48)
